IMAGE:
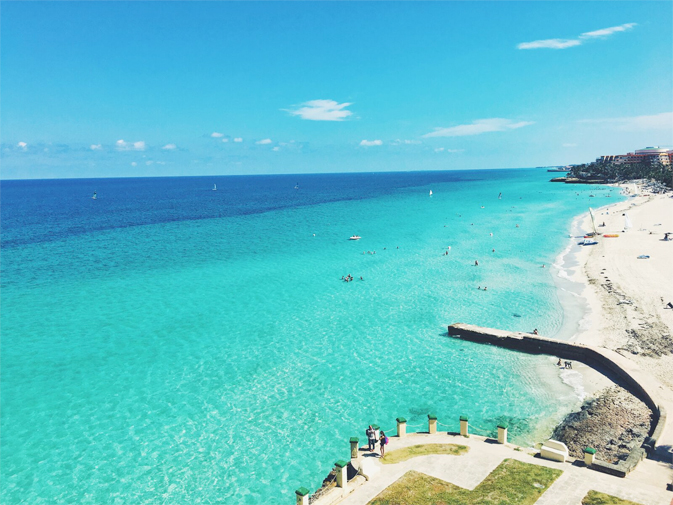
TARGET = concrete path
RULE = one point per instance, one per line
(468, 470)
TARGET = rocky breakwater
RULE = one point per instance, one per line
(614, 422)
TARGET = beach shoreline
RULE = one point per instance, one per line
(623, 297)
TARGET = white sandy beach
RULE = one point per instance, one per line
(627, 296)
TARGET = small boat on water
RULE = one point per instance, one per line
(296, 186)
(430, 192)
(214, 187)
(95, 196)
(355, 237)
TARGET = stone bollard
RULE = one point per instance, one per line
(432, 424)
(342, 473)
(502, 433)
(464, 426)
(589, 456)
(302, 496)
(401, 427)
(354, 447)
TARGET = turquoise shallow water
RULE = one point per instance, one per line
(220, 359)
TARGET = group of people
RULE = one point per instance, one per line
(374, 436)
(349, 278)
(566, 364)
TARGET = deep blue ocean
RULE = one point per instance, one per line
(167, 343)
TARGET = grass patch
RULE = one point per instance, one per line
(406, 453)
(511, 482)
(596, 498)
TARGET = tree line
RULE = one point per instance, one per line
(611, 172)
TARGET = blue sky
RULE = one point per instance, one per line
(106, 89)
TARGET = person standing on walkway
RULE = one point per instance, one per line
(383, 440)
(371, 438)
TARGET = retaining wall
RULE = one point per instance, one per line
(595, 356)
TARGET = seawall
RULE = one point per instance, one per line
(604, 360)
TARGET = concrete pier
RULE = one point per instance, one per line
(606, 361)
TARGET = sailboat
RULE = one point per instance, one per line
(214, 187)
(430, 192)
(296, 186)
(95, 196)
(593, 221)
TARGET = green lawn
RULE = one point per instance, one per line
(596, 498)
(406, 453)
(512, 482)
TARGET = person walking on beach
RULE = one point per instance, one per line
(371, 438)
(383, 441)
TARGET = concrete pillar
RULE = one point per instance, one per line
(589, 456)
(464, 426)
(342, 473)
(502, 433)
(401, 427)
(302, 496)
(354, 447)
(432, 424)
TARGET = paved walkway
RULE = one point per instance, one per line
(646, 485)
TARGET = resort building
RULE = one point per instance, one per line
(649, 155)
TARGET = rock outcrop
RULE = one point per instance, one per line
(613, 423)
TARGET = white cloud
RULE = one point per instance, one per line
(96, 147)
(569, 145)
(130, 146)
(276, 149)
(263, 141)
(169, 147)
(217, 135)
(662, 121)
(148, 163)
(439, 149)
(565, 43)
(238, 139)
(478, 127)
(606, 32)
(134, 164)
(225, 140)
(550, 44)
(455, 150)
(406, 142)
(322, 110)
(22, 145)
(369, 143)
